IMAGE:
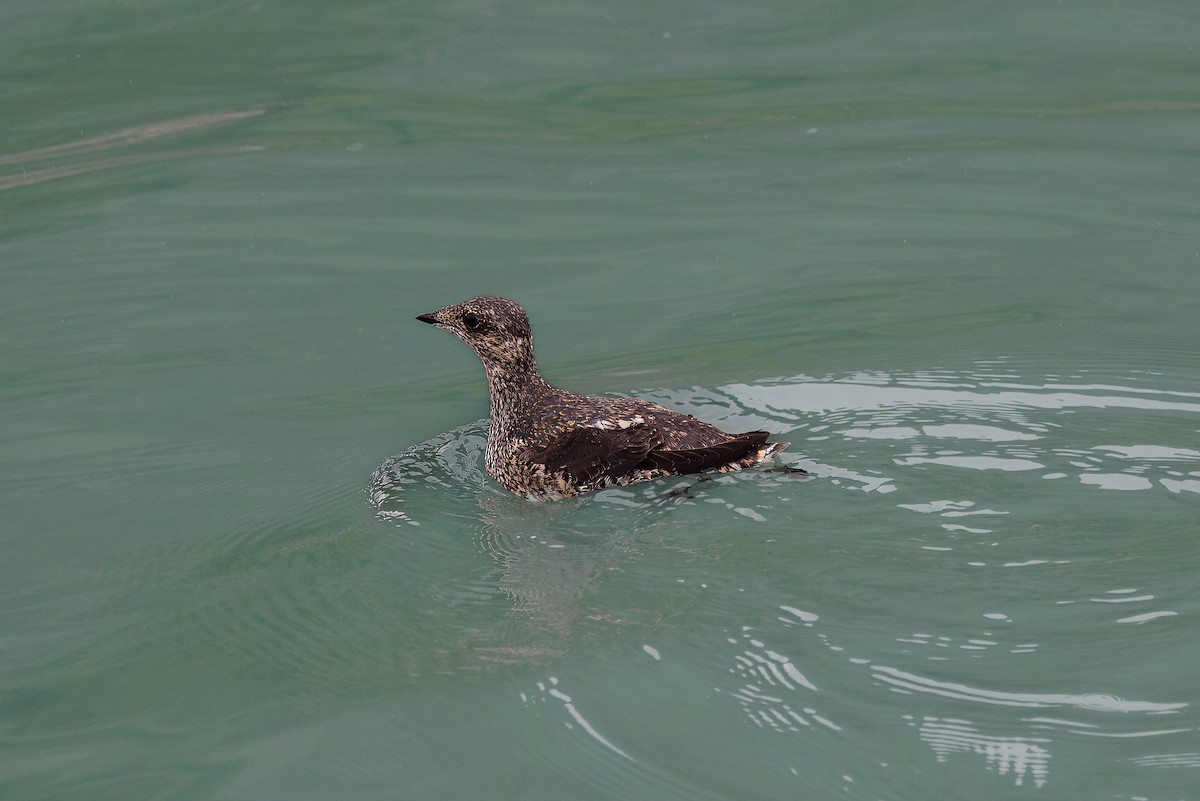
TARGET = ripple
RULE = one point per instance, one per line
(315, 595)
(957, 459)
(448, 462)
(1116, 481)
(871, 432)
(773, 688)
(912, 682)
(983, 421)
(549, 689)
(547, 557)
(1014, 735)
(1021, 756)
(1185, 760)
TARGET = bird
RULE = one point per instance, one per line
(546, 443)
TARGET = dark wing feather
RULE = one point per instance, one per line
(588, 454)
(697, 460)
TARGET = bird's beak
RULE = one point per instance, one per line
(437, 317)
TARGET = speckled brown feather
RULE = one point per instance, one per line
(545, 442)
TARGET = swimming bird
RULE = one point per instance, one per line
(546, 443)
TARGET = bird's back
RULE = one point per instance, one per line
(561, 443)
(561, 410)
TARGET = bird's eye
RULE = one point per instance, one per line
(471, 321)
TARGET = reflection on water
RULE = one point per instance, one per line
(899, 428)
(771, 679)
(548, 554)
(1016, 755)
(986, 590)
(30, 177)
(126, 137)
(132, 136)
(1010, 421)
(549, 691)
(930, 446)
(904, 681)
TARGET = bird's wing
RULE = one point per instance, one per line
(696, 460)
(586, 454)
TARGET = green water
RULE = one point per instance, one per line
(951, 251)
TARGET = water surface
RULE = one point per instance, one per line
(948, 250)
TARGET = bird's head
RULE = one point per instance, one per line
(497, 329)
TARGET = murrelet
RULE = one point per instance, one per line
(547, 443)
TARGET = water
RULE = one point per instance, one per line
(949, 251)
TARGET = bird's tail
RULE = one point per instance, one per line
(770, 449)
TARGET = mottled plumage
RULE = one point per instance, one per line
(546, 443)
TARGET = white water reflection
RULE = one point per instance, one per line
(1126, 595)
(1147, 616)
(1010, 739)
(549, 689)
(1116, 481)
(980, 432)
(975, 531)
(910, 682)
(1186, 760)
(1180, 486)
(1002, 425)
(1150, 452)
(771, 679)
(1020, 756)
(975, 462)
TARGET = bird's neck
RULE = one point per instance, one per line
(511, 385)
